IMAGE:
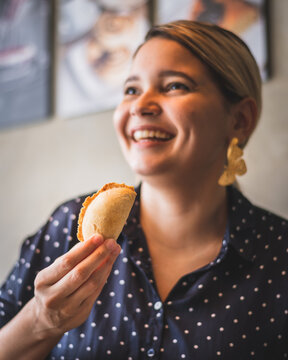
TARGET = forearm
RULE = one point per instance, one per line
(19, 339)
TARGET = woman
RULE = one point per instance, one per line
(201, 272)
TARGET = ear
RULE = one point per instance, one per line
(244, 119)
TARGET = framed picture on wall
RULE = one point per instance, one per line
(246, 18)
(95, 42)
(25, 61)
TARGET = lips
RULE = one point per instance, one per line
(148, 134)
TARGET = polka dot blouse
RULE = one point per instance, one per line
(235, 307)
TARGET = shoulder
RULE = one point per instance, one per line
(63, 222)
(265, 229)
(55, 237)
(239, 204)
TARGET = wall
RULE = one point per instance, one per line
(267, 153)
(42, 165)
(45, 164)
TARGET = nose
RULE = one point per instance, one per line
(146, 104)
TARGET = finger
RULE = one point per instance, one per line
(82, 271)
(91, 289)
(97, 279)
(65, 263)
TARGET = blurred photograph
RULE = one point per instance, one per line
(25, 61)
(96, 42)
(246, 18)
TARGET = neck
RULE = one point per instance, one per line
(183, 214)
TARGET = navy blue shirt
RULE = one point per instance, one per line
(235, 307)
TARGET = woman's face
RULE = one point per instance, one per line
(173, 118)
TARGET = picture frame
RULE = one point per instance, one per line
(25, 61)
(247, 18)
(94, 52)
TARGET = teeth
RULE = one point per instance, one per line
(150, 134)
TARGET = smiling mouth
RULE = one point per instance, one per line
(153, 135)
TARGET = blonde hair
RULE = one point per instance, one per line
(229, 59)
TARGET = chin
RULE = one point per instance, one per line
(149, 170)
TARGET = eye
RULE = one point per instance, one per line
(176, 86)
(130, 90)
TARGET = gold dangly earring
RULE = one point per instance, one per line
(235, 166)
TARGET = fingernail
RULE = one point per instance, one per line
(97, 239)
(111, 244)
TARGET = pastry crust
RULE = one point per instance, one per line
(106, 211)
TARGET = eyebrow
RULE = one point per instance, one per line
(131, 78)
(164, 73)
(177, 73)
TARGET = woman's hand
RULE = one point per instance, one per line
(66, 290)
(64, 295)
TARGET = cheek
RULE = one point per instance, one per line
(120, 119)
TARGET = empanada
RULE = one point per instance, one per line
(106, 211)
